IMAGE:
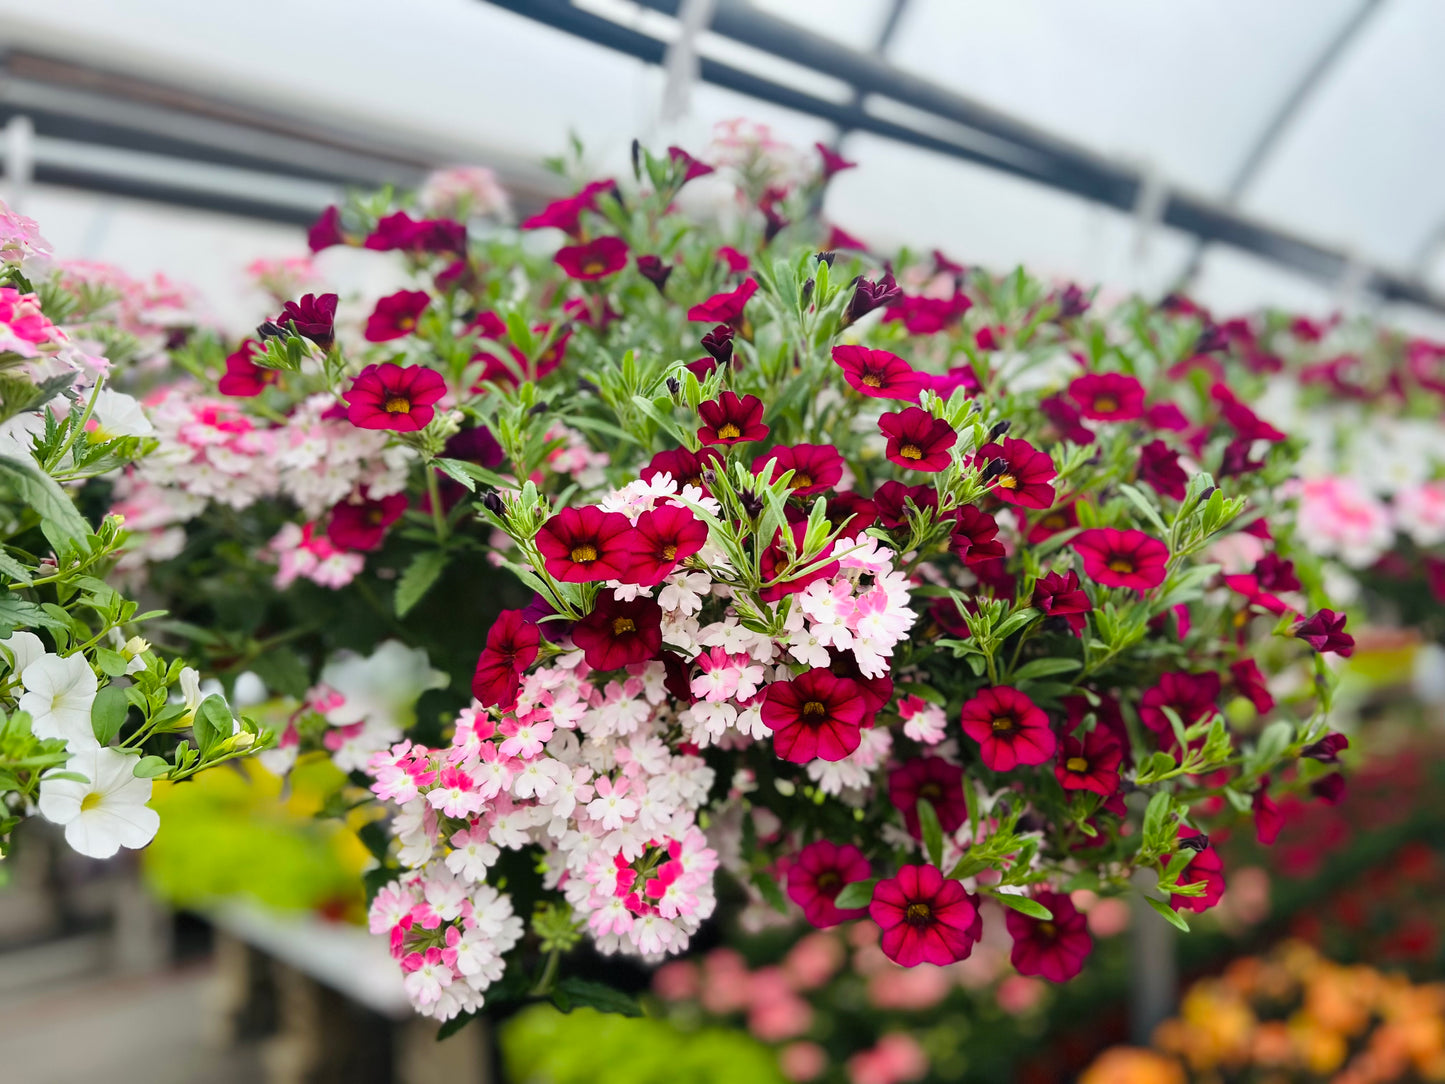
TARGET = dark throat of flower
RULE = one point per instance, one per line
(829, 879)
(1105, 405)
(1121, 564)
(918, 913)
(911, 451)
(584, 553)
(669, 551)
(397, 404)
(815, 708)
(621, 626)
(729, 432)
(1002, 724)
(872, 380)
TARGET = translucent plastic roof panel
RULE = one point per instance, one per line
(1184, 86)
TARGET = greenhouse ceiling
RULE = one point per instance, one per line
(1314, 118)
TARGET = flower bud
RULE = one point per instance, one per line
(673, 385)
(995, 468)
(998, 430)
(268, 330)
(808, 291)
(540, 409)
(1195, 843)
(827, 257)
(492, 502)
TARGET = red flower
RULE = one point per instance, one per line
(892, 497)
(852, 512)
(1067, 419)
(400, 232)
(1166, 416)
(719, 343)
(725, 308)
(619, 633)
(654, 271)
(244, 378)
(1205, 867)
(1193, 697)
(878, 374)
(1091, 762)
(393, 397)
(396, 316)
(868, 296)
(511, 648)
(685, 467)
(1249, 682)
(775, 559)
(362, 526)
(1058, 594)
(1009, 728)
(933, 779)
(925, 917)
(593, 260)
(1268, 820)
(1328, 749)
(1026, 478)
(1054, 948)
(1108, 397)
(1052, 523)
(917, 440)
(818, 874)
(927, 315)
(975, 536)
(1249, 425)
(877, 691)
(816, 715)
(1329, 789)
(735, 260)
(325, 232)
(586, 545)
(663, 538)
(840, 240)
(1325, 631)
(945, 384)
(692, 168)
(1159, 467)
(1117, 558)
(565, 214)
(730, 420)
(815, 467)
(313, 317)
(833, 162)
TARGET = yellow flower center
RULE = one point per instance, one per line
(584, 554)
(1077, 764)
(873, 380)
(1003, 723)
(622, 626)
(398, 404)
(729, 432)
(1105, 404)
(90, 801)
(918, 914)
(1121, 564)
(1007, 481)
(669, 551)
(911, 451)
(815, 707)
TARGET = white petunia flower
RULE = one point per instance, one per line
(58, 695)
(119, 415)
(106, 814)
(22, 648)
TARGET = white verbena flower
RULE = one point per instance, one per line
(107, 813)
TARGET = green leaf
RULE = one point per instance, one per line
(932, 831)
(12, 568)
(1025, 905)
(418, 578)
(150, 767)
(455, 469)
(212, 723)
(1156, 820)
(17, 613)
(572, 993)
(1044, 667)
(1146, 506)
(108, 712)
(1173, 917)
(61, 522)
(454, 1025)
(771, 892)
(855, 894)
(112, 663)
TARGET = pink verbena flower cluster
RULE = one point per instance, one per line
(615, 813)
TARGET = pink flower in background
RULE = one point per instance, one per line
(282, 276)
(1338, 518)
(1420, 513)
(305, 554)
(462, 192)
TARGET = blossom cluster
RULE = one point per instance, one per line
(873, 589)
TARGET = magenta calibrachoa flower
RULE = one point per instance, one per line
(1009, 728)
(925, 917)
(917, 440)
(819, 873)
(594, 260)
(1117, 558)
(394, 397)
(878, 374)
(816, 715)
